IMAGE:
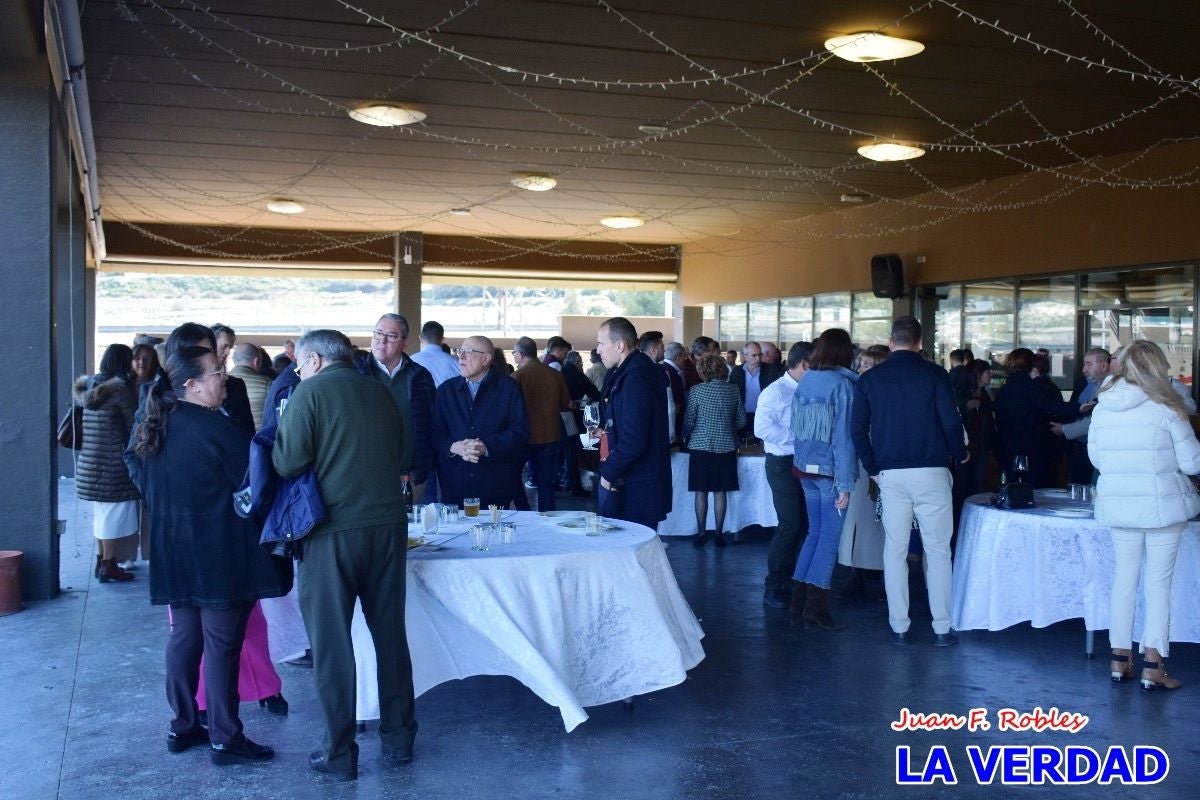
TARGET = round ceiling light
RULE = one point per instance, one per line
(534, 181)
(890, 151)
(385, 115)
(868, 46)
(281, 205)
(622, 222)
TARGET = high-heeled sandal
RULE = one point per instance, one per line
(1154, 674)
(1121, 665)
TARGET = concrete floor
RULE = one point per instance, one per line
(773, 711)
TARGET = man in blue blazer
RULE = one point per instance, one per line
(480, 430)
(635, 472)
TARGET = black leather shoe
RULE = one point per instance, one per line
(318, 764)
(179, 742)
(240, 752)
(275, 704)
(397, 756)
(900, 638)
(774, 598)
(948, 639)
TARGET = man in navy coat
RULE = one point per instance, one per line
(480, 430)
(635, 471)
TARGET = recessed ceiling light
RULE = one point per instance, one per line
(622, 222)
(654, 129)
(853, 198)
(385, 115)
(867, 46)
(534, 181)
(461, 212)
(890, 151)
(281, 205)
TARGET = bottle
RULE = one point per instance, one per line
(407, 493)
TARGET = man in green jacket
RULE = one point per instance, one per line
(347, 429)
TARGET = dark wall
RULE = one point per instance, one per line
(41, 283)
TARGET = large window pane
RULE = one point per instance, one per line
(1137, 287)
(1170, 327)
(1047, 320)
(764, 321)
(871, 319)
(795, 320)
(947, 324)
(731, 323)
(832, 311)
(988, 319)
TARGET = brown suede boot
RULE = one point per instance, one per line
(816, 610)
(109, 571)
(796, 607)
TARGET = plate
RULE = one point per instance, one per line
(580, 524)
(415, 541)
(562, 514)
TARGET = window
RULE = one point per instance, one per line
(831, 311)
(1046, 314)
(947, 324)
(989, 319)
(731, 323)
(763, 325)
(795, 320)
(871, 319)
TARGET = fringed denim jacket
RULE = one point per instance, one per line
(821, 426)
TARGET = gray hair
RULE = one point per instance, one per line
(399, 320)
(1099, 352)
(673, 351)
(746, 347)
(245, 353)
(526, 347)
(332, 346)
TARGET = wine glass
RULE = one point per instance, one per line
(1020, 465)
(591, 415)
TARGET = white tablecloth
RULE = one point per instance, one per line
(580, 620)
(1051, 563)
(750, 505)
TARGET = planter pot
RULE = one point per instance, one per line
(10, 582)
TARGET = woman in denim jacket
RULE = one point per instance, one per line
(827, 467)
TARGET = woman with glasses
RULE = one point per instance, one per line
(1142, 442)
(187, 458)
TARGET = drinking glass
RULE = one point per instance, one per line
(481, 537)
(1020, 463)
(591, 415)
(593, 524)
(471, 506)
(430, 515)
(506, 532)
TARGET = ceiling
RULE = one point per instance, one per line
(205, 111)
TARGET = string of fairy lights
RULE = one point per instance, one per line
(751, 191)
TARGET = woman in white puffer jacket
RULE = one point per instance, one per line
(1142, 443)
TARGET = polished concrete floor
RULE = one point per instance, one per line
(773, 710)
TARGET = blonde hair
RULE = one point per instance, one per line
(1143, 364)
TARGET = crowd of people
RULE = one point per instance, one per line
(865, 450)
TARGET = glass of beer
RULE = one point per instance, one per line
(471, 506)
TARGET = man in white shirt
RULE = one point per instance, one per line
(441, 365)
(773, 424)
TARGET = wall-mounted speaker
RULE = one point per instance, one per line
(887, 276)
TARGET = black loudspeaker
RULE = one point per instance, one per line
(887, 276)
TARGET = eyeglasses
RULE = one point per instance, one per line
(218, 371)
(300, 365)
(465, 351)
(387, 337)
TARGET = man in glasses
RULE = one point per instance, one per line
(480, 430)
(411, 387)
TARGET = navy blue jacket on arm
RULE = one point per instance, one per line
(497, 417)
(904, 416)
(633, 411)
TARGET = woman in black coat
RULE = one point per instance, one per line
(1024, 410)
(188, 458)
(108, 399)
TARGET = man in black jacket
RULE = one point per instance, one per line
(751, 377)
(906, 431)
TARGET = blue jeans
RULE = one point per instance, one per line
(819, 553)
(543, 463)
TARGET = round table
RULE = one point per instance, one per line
(580, 620)
(1050, 563)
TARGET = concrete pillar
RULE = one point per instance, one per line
(407, 262)
(31, 152)
(693, 325)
